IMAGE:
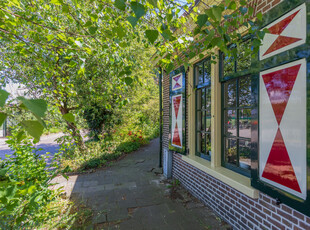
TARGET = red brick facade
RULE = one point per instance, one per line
(239, 210)
(265, 5)
(234, 207)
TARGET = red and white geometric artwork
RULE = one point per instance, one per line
(285, 33)
(282, 138)
(177, 82)
(177, 121)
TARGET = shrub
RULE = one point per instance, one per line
(128, 146)
(96, 115)
(25, 195)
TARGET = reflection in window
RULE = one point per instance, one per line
(237, 108)
(231, 151)
(229, 65)
(203, 108)
(245, 154)
(243, 61)
(207, 72)
(230, 123)
(245, 123)
(245, 92)
(244, 57)
(230, 93)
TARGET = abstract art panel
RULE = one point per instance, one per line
(282, 156)
(177, 82)
(285, 33)
(177, 121)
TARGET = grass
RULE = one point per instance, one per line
(65, 218)
(72, 215)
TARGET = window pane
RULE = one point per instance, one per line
(208, 99)
(203, 121)
(199, 74)
(244, 60)
(203, 99)
(203, 108)
(201, 146)
(230, 127)
(207, 72)
(208, 123)
(198, 99)
(245, 123)
(231, 151)
(245, 154)
(229, 65)
(208, 144)
(245, 98)
(198, 138)
(198, 120)
(230, 91)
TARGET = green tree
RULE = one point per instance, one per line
(70, 52)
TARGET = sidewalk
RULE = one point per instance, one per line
(132, 194)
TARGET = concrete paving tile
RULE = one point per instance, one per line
(99, 218)
(129, 195)
(106, 180)
(103, 200)
(132, 224)
(104, 207)
(117, 213)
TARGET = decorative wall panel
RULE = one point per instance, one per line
(282, 161)
(176, 124)
(285, 33)
(177, 134)
(177, 82)
(280, 127)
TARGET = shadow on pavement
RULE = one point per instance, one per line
(133, 194)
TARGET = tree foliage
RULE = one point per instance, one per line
(74, 53)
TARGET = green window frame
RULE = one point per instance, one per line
(202, 83)
(237, 108)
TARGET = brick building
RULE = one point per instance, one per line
(239, 134)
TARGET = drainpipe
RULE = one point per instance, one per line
(160, 117)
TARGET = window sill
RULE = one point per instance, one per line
(234, 180)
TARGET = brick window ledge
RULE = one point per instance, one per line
(237, 181)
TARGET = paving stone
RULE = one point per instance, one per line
(129, 195)
(158, 171)
(192, 204)
(99, 218)
(117, 213)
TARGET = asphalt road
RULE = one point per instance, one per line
(47, 143)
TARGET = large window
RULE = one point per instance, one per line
(237, 123)
(202, 83)
(237, 106)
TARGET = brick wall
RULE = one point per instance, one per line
(166, 110)
(237, 209)
(234, 207)
(265, 5)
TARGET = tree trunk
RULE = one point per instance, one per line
(75, 132)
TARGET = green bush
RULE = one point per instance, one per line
(128, 147)
(26, 200)
(96, 115)
(92, 163)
